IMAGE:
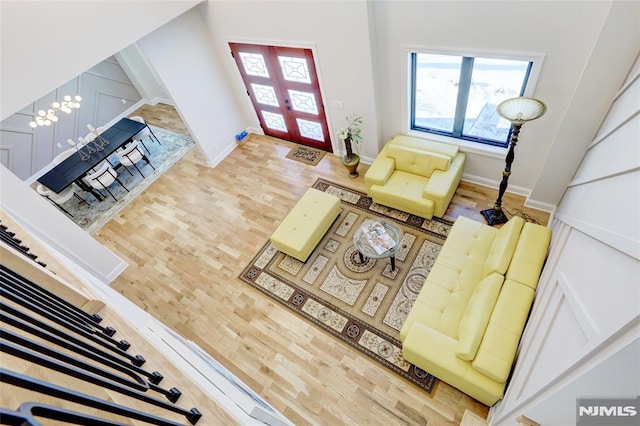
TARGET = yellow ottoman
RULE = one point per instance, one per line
(305, 225)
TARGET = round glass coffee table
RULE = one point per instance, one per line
(367, 236)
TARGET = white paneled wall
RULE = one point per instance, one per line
(604, 159)
(587, 307)
(602, 198)
(25, 151)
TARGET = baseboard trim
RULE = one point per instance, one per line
(213, 162)
(512, 189)
(539, 205)
(490, 183)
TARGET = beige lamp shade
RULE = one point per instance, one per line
(520, 110)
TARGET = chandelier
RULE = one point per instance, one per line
(48, 117)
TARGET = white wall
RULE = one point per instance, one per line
(44, 44)
(587, 306)
(188, 65)
(142, 75)
(338, 34)
(616, 48)
(44, 221)
(564, 32)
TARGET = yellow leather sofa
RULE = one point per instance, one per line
(305, 225)
(415, 175)
(466, 323)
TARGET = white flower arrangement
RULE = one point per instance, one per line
(353, 130)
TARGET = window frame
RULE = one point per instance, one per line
(470, 144)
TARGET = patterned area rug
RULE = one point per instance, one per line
(94, 214)
(306, 155)
(363, 304)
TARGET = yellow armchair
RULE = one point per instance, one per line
(414, 175)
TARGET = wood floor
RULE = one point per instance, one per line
(187, 239)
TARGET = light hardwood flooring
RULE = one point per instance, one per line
(190, 234)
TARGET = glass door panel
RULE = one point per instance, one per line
(265, 95)
(294, 69)
(310, 129)
(254, 64)
(274, 121)
(303, 102)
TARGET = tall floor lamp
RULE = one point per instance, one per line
(518, 111)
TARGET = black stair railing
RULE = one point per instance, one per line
(46, 294)
(10, 289)
(57, 306)
(35, 327)
(28, 414)
(10, 239)
(40, 386)
(43, 329)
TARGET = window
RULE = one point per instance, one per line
(456, 96)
